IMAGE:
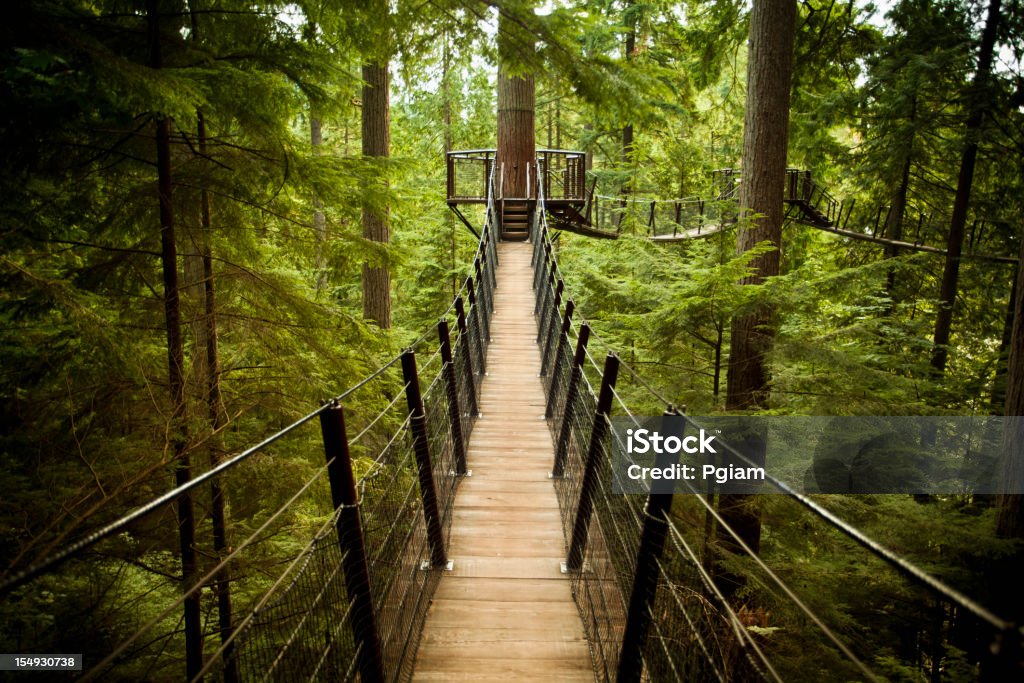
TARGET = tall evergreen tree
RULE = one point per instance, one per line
(977, 106)
(516, 105)
(175, 359)
(376, 127)
(765, 128)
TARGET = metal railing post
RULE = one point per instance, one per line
(421, 449)
(474, 312)
(370, 660)
(452, 389)
(581, 524)
(542, 269)
(546, 351)
(563, 339)
(547, 311)
(645, 581)
(493, 251)
(483, 300)
(467, 355)
(562, 448)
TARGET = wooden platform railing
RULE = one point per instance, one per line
(563, 173)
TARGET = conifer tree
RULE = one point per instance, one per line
(772, 26)
(376, 128)
(977, 105)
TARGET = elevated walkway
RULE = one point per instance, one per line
(506, 612)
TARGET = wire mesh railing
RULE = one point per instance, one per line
(664, 583)
(332, 559)
(684, 218)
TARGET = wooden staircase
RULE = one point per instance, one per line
(515, 219)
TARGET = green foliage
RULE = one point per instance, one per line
(84, 407)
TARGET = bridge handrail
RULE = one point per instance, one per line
(451, 409)
(556, 303)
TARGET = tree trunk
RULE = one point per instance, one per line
(997, 402)
(516, 111)
(627, 130)
(961, 202)
(765, 128)
(588, 149)
(215, 414)
(206, 336)
(376, 144)
(558, 123)
(894, 225)
(316, 141)
(175, 364)
(446, 122)
(1010, 519)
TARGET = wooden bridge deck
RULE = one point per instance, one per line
(506, 612)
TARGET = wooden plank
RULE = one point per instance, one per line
(534, 501)
(520, 516)
(510, 669)
(506, 590)
(492, 545)
(495, 636)
(535, 483)
(486, 528)
(523, 650)
(501, 613)
(484, 676)
(508, 568)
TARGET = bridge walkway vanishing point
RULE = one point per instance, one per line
(505, 611)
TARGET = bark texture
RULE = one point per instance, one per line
(765, 137)
(765, 129)
(376, 143)
(962, 200)
(516, 113)
(175, 363)
(316, 141)
(1010, 519)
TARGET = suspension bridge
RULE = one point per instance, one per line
(460, 524)
(575, 208)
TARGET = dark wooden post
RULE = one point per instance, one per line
(474, 311)
(543, 273)
(562, 448)
(450, 167)
(483, 300)
(467, 355)
(548, 311)
(452, 389)
(428, 491)
(493, 252)
(590, 202)
(581, 525)
(563, 339)
(645, 581)
(370, 660)
(551, 321)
